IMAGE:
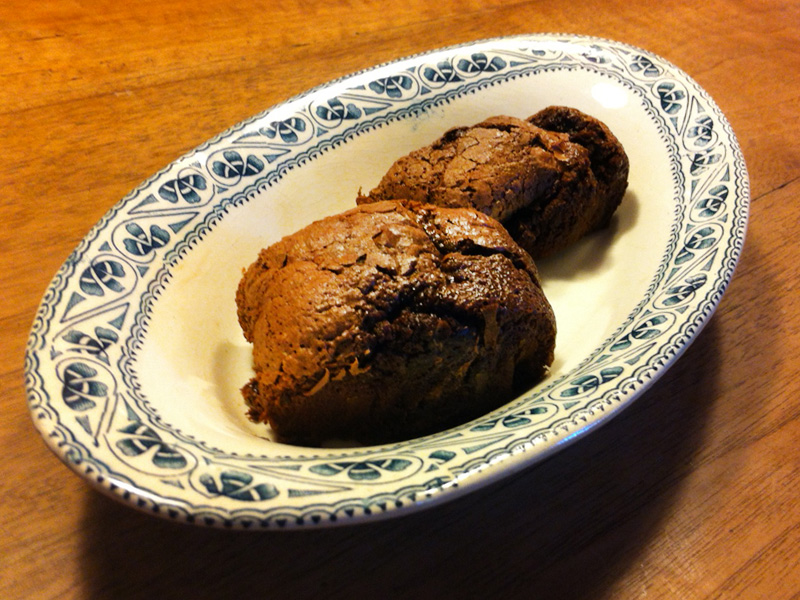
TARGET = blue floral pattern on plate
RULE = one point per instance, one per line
(82, 352)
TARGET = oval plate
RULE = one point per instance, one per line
(135, 357)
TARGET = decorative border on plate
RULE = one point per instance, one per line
(94, 315)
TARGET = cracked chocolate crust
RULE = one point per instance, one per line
(391, 320)
(549, 180)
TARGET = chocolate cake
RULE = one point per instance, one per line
(391, 320)
(607, 157)
(550, 179)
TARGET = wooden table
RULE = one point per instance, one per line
(693, 492)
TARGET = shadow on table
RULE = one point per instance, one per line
(569, 527)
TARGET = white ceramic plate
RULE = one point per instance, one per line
(135, 358)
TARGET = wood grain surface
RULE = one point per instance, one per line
(692, 492)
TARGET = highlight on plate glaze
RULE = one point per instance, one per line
(81, 361)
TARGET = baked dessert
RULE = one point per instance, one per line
(391, 320)
(550, 179)
(607, 157)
